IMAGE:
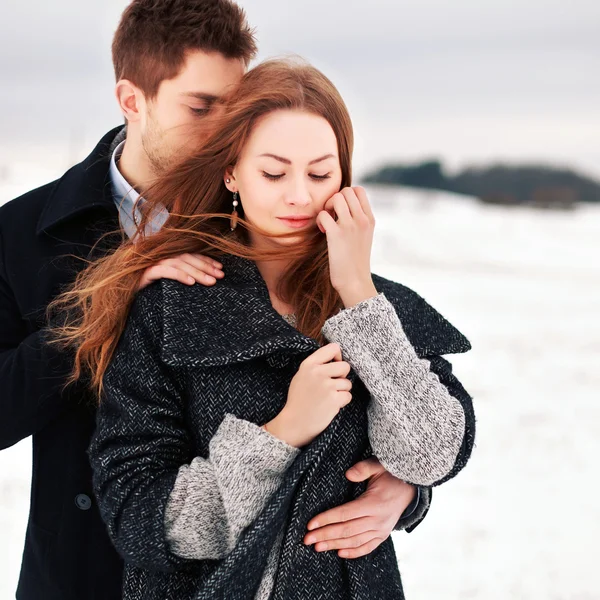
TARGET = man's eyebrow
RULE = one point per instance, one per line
(208, 98)
(287, 161)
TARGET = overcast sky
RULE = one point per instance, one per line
(467, 81)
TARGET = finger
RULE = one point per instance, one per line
(342, 384)
(353, 203)
(201, 263)
(211, 261)
(328, 206)
(355, 509)
(343, 398)
(351, 543)
(361, 194)
(165, 271)
(215, 263)
(325, 354)
(340, 205)
(365, 469)
(336, 369)
(325, 222)
(361, 550)
(198, 275)
(340, 530)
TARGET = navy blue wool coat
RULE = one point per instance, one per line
(67, 553)
(188, 356)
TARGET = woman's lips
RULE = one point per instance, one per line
(296, 223)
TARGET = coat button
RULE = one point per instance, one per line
(83, 502)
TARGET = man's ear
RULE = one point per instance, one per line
(229, 179)
(130, 99)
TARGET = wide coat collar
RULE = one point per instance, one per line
(83, 187)
(234, 321)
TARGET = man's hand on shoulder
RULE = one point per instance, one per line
(187, 268)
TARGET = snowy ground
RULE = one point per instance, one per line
(521, 521)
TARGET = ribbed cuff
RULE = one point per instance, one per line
(256, 448)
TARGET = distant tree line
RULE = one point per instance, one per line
(542, 186)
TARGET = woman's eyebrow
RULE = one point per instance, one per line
(287, 161)
(317, 160)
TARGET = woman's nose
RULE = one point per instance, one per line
(298, 195)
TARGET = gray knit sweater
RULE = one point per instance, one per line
(416, 428)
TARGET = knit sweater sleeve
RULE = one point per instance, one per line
(417, 422)
(144, 460)
(214, 499)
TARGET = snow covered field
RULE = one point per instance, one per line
(521, 522)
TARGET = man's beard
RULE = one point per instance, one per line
(154, 143)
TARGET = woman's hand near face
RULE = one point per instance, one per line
(317, 392)
(349, 239)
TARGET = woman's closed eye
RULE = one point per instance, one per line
(277, 177)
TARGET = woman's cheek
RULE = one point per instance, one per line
(256, 209)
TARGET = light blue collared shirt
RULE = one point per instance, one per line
(125, 197)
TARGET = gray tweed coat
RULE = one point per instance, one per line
(194, 354)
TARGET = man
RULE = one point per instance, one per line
(174, 60)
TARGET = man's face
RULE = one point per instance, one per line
(187, 99)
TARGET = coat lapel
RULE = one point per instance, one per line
(84, 187)
(234, 321)
(428, 331)
(230, 322)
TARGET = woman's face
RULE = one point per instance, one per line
(287, 171)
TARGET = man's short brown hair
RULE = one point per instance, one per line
(153, 37)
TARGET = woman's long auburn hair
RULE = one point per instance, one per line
(94, 309)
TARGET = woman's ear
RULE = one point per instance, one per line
(229, 180)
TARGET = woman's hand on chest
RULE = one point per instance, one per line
(316, 394)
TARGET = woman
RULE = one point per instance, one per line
(229, 414)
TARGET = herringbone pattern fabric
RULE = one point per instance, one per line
(188, 356)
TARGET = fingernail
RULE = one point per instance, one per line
(191, 279)
(312, 526)
(211, 279)
(310, 539)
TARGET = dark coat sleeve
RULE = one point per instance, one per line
(140, 441)
(32, 373)
(416, 511)
(443, 369)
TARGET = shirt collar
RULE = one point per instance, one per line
(125, 198)
(121, 189)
